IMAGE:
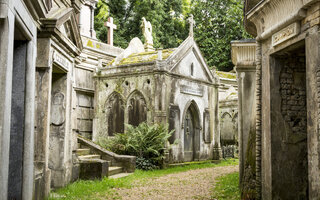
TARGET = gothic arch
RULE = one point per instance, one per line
(137, 108)
(226, 114)
(192, 104)
(114, 109)
(191, 131)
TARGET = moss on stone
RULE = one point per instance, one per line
(90, 43)
(119, 88)
(226, 75)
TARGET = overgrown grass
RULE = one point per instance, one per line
(85, 190)
(227, 188)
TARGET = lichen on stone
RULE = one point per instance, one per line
(226, 75)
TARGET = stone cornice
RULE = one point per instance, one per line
(270, 16)
(244, 53)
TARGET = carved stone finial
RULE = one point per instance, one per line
(191, 25)
(147, 33)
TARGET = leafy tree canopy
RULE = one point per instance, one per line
(218, 22)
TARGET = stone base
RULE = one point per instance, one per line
(217, 153)
(93, 169)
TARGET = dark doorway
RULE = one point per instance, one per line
(17, 116)
(191, 134)
(137, 109)
(115, 112)
(289, 151)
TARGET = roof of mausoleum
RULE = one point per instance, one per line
(226, 75)
(145, 57)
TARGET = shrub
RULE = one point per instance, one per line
(147, 142)
(145, 164)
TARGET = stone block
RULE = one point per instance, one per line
(93, 169)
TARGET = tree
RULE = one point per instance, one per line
(166, 17)
(218, 22)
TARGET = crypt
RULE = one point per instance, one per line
(173, 86)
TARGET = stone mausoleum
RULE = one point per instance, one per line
(56, 96)
(172, 86)
(279, 73)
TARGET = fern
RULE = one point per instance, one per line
(144, 141)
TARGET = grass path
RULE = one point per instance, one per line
(193, 184)
(195, 181)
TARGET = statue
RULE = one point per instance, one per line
(147, 33)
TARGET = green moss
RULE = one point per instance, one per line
(90, 43)
(226, 75)
(119, 88)
(145, 57)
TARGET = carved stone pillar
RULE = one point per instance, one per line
(243, 57)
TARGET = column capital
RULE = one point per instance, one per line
(244, 54)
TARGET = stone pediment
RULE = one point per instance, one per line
(188, 61)
(63, 25)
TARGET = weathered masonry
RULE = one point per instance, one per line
(172, 86)
(286, 98)
(18, 36)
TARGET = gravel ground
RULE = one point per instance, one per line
(193, 184)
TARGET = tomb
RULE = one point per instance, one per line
(173, 86)
(284, 85)
(228, 113)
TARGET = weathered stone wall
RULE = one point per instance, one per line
(293, 95)
(288, 125)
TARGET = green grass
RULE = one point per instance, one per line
(93, 189)
(227, 187)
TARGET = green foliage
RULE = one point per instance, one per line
(218, 22)
(227, 187)
(102, 189)
(144, 141)
(166, 17)
(145, 164)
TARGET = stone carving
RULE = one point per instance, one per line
(285, 34)
(147, 33)
(186, 89)
(191, 25)
(58, 109)
(135, 46)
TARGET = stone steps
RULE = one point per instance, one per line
(82, 152)
(89, 157)
(120, 175)
(114, 170)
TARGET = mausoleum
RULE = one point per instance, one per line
(173, 86)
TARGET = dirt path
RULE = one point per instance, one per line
(193, 184)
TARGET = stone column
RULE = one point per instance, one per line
(43, 96)
(243, 57)
(313, 114)
(6, 60)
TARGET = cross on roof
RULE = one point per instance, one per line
(191, 25)
(109, 24)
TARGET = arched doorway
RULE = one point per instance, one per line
(191, 133)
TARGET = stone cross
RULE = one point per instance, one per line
(109, 24)
(191, 23)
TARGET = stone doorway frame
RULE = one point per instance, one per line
(192, 105)
(280, 131)
(17, 16)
